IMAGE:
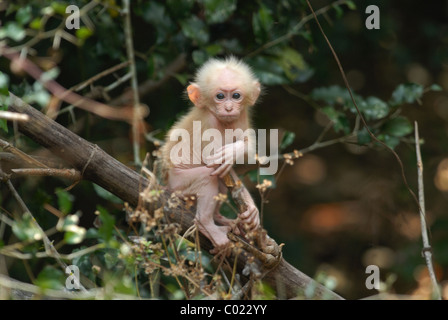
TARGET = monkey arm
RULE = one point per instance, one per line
(226, 156)
(248, 210)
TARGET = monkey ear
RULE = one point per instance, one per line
(193, 93)
(255, 93)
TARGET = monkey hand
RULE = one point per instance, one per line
(250, 219)
(225, 157)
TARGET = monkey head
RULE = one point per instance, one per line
(225, 88)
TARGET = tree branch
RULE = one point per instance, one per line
(97, 166)
(427, 250)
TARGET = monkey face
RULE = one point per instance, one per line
(228, 104)
(228, 96)
(225, 89)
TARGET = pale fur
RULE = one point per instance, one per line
(205, 79)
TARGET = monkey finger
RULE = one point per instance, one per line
(250, 224)
(217, 161)
(226, 171)
(220, 170)
(214, 157)
(251, 217)
(251, 220)
(246, 214)
(211, 165)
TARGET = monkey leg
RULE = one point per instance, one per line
(198, 181)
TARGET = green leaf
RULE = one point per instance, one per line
(268, 70)
(48, 75)
(213, 50)
(74, 234)
(262, 23)
(106, 195)
(218, 11)
(4, 98)
(65, 200)
(406, 93)
(335, 95)
(50, 278)
(111, 258)
(106, 229)
(36, 24)
(363, 137)
(180, 8)
(59, 7)
(435, 87)
(182, 78)
(288, 139)
(351, 5)
(293, 64)
(4, 83)
(339, 119)
(199, 57)
(195, 29)
(392, 142)
(397, 127)
(70, 220)
(155, 14)
(83, 33)
(37, 94)
(3, 122)
(374, 108)
(12, 30)
(23, 15)
(339, 11)
(26, 228)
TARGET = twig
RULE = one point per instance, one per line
(17, 196)
(100, 92)
(70, 174)
(151, 85)
(16, 161)
(62, 93)
(99, 293)
(49, 247)
(295, 29)
(99, 76)
(8, 147)
(13, 116)
(426, 251)
(134, 84)
(11, 251)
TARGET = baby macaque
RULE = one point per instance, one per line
(214, 137)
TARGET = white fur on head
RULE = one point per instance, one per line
(206, 75)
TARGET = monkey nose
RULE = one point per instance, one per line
(228, 107)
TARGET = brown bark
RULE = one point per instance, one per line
(99, 167)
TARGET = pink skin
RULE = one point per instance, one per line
(199, 181)
(227, 111)
(227, 107)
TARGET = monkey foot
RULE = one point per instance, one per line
(269, 253)
(216, 234)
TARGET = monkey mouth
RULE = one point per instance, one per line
(228, 117)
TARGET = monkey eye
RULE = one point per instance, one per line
(236, 96)
(220, 96)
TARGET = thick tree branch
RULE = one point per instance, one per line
(97, 166)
